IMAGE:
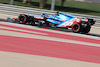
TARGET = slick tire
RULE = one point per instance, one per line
(22, 19)
(76, 27)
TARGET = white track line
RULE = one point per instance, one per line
(23, 30)
(55, 31)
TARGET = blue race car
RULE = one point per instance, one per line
(58, 20)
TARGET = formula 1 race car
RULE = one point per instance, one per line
(58, 20)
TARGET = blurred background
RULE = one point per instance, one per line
(90, 7)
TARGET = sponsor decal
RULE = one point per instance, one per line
(70, 22)
(38, 17)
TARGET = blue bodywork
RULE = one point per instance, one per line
(58, 18)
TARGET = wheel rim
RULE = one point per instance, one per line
(22, 19)
(76, 27)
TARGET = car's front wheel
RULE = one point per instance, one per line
(22, 19)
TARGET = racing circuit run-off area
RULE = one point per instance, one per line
(49, 43)
(33, 36)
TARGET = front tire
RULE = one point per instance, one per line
(22, 19)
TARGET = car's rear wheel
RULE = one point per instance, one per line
(76, 27)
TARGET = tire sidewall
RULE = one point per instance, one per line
(25, 20)
(79, 28)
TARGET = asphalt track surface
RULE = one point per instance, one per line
(31, 46)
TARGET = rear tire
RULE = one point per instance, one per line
(76, 27)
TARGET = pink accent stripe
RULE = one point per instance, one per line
(50, 48)
(58, 35)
